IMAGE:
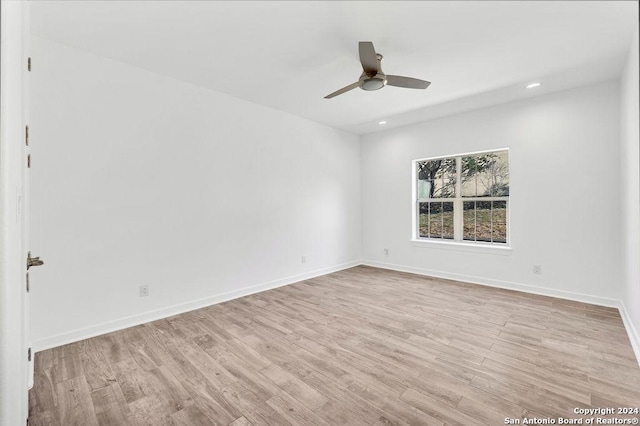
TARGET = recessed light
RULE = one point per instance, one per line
(532, 85)
(382, 122)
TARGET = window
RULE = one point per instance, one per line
(463, 198)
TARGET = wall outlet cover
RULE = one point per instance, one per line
(144, 290)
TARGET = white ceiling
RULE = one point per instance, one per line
(290, 54)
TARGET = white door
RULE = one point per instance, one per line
(14, 331)
(26, 214)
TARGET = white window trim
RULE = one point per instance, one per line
(473, 247)
(458, 243)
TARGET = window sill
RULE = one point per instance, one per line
(468, 247)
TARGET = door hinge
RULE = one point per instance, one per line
(28, 161)
(26, 135)
(29, 355)
(28, 282)
(33, 261)
(29, 63)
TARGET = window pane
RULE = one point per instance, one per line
(436, 178)
(483, 221)
(447, 221)
(469, 174)
(498, 175)
(448, 188)
(443, 188)
(468, 187)
(427, 170)
(423, 219)
(424, 188)
(469, 219)
(447, 169)
(499, 226)
(437, 189)
(449, 177)
(435, 220)
(485, 175)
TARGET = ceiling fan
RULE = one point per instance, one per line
(372, 77)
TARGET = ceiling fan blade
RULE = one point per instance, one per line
(368, 57)
(408, 82)
(344, 89)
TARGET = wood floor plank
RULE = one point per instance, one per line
(111, 407)
(66, 363)
(255, 410)
(194, 416)
(435, 409)
(406, 413)
(43, 418)
(148, 411)
(483, 413)
(363, 346)
(114, 347)
(553, 382)
(206, 365)
(246, 353)
(249, 375)
(622, 394)
(515, 351)
(301, 391)
(139, 349)
(43, 397)
(75, 407)
(210, 401)
(344, 406)
(132, 380)
(172, 394)
(293, 411)
(95, 367)
(241, 421)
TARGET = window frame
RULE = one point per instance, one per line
(458, 240)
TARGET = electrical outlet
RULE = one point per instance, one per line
(144, 290)
(304, 259)
(537, 269)
(386, 252)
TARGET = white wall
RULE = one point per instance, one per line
(13, 330)
(140, 179)
(564, 204)
(630, 167)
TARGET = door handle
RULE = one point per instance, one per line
(33, 261)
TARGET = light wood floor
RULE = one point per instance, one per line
(363, 346)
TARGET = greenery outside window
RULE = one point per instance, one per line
(463, 198)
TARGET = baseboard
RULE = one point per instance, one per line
(634, 337)
(632, 332)
(508, 285)
(122, 323)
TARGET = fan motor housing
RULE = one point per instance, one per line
(375, 82)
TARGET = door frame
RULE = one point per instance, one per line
(14, 365)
